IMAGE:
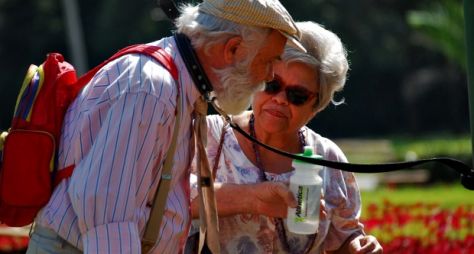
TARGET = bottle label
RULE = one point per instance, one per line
(307, 197)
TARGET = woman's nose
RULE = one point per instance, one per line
(280, 97)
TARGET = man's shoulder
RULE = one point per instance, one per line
(168, 44)
(136, 73)
(134, 60)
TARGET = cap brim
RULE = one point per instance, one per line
(292, 41)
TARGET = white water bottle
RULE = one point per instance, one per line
(306, 185)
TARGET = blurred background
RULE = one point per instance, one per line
(405, 98)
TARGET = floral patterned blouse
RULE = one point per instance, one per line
(246, 233)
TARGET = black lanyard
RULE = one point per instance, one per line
(467, 174)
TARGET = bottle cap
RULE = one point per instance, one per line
(308, 152)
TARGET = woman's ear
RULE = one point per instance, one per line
(233, 49)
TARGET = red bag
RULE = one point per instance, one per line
(28, 171)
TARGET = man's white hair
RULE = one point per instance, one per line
(205, 30)
(236, 90)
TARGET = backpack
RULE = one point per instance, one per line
(29, 172)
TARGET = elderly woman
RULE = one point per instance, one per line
(251, 182)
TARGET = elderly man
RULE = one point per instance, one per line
(118, 131)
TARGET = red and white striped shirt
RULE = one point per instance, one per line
(117, 133)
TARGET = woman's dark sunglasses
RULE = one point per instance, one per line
(296, 95)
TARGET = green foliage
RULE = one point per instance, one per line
(406, 148)
(426, 147)
(443, 25)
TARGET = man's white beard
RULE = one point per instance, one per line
(236, 91)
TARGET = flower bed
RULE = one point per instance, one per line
(421, 228)
(13, 240)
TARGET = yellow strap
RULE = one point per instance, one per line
(152, 228)
(29, 75)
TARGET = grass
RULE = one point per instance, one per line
(424, 147)
(446, 196)
(406, 148)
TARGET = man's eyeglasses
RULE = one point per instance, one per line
(296, 95)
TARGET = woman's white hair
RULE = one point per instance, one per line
(327, 55)
(205, 30)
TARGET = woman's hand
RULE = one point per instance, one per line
(365, 244)
(360, 244)
(273, 199)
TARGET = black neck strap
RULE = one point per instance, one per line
(467, 174)
(193, 65)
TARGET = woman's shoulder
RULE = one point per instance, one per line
(324, 146)
(214, 125)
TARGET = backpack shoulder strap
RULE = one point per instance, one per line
(155, 52)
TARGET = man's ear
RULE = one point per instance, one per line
(233, 49)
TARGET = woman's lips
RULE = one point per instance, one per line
(276, 113)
